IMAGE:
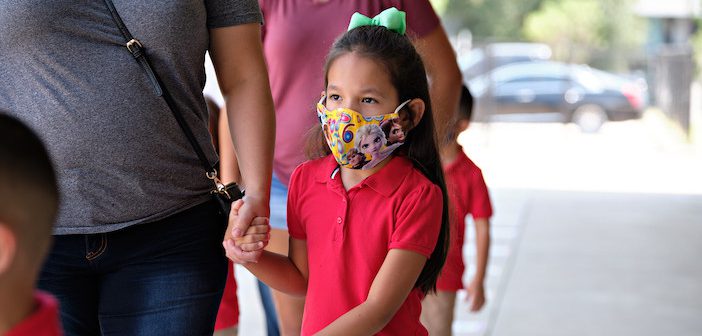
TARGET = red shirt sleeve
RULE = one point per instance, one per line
(295, 227)
(480, 205)
(418, 221)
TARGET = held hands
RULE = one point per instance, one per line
(476, 295)
(248, 246)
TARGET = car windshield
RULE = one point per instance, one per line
(597, 80)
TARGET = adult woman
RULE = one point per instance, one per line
(137, 246)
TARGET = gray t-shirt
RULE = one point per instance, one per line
(120, 155)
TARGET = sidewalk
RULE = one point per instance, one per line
(609, 229)
(604, 264)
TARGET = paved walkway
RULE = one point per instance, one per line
(589, 263)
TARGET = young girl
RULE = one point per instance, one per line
(366, 244)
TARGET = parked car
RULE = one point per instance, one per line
(577, 93)
(483, 59)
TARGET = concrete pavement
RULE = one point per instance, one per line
(605, 264)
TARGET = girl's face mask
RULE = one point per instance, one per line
(359, 142)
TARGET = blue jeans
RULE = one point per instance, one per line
(160, 278)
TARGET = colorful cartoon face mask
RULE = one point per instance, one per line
(359, 142)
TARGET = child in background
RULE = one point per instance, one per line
(28, 206)
(469, 195)
(366, 244)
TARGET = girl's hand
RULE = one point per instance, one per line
(476, 295)
(256, 236)
(246, 248)
(239, 256)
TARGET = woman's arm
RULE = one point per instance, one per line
(445, 78)
(237, 57)
(389, 290)
(228, 165)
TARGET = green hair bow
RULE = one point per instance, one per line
(390, 18)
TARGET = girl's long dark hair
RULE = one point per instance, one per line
(407, 74)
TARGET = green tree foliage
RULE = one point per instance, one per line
(604, 33)
(600, 32)
(697, 47)
(487, 19)
(566, 24)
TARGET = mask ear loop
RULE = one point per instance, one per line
(402, 105)
(322, 102)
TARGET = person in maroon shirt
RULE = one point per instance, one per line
(469, 196)
(28, 206)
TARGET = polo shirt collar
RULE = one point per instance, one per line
(384, 182)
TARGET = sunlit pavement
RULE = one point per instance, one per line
(593, 234)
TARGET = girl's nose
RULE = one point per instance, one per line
(350, 106)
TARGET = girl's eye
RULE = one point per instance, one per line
(364, 146)
(377, 139)
(368, 100)
(334, 97)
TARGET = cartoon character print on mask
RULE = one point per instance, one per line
(359, 142)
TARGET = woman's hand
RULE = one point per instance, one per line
(245, 247)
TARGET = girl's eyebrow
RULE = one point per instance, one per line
(367, 90)
(374, 91)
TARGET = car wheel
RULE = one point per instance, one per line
(589, 118)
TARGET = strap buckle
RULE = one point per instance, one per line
(134, 46)
(220, 188)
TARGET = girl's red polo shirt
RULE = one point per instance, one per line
(469, 195)
(349, 234)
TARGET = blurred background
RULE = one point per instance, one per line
(588, 129)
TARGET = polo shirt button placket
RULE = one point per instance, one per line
(338, 230)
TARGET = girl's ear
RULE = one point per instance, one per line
(8, 248)
(407, 120)
(417, 106)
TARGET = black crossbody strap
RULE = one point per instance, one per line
(137, 50)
